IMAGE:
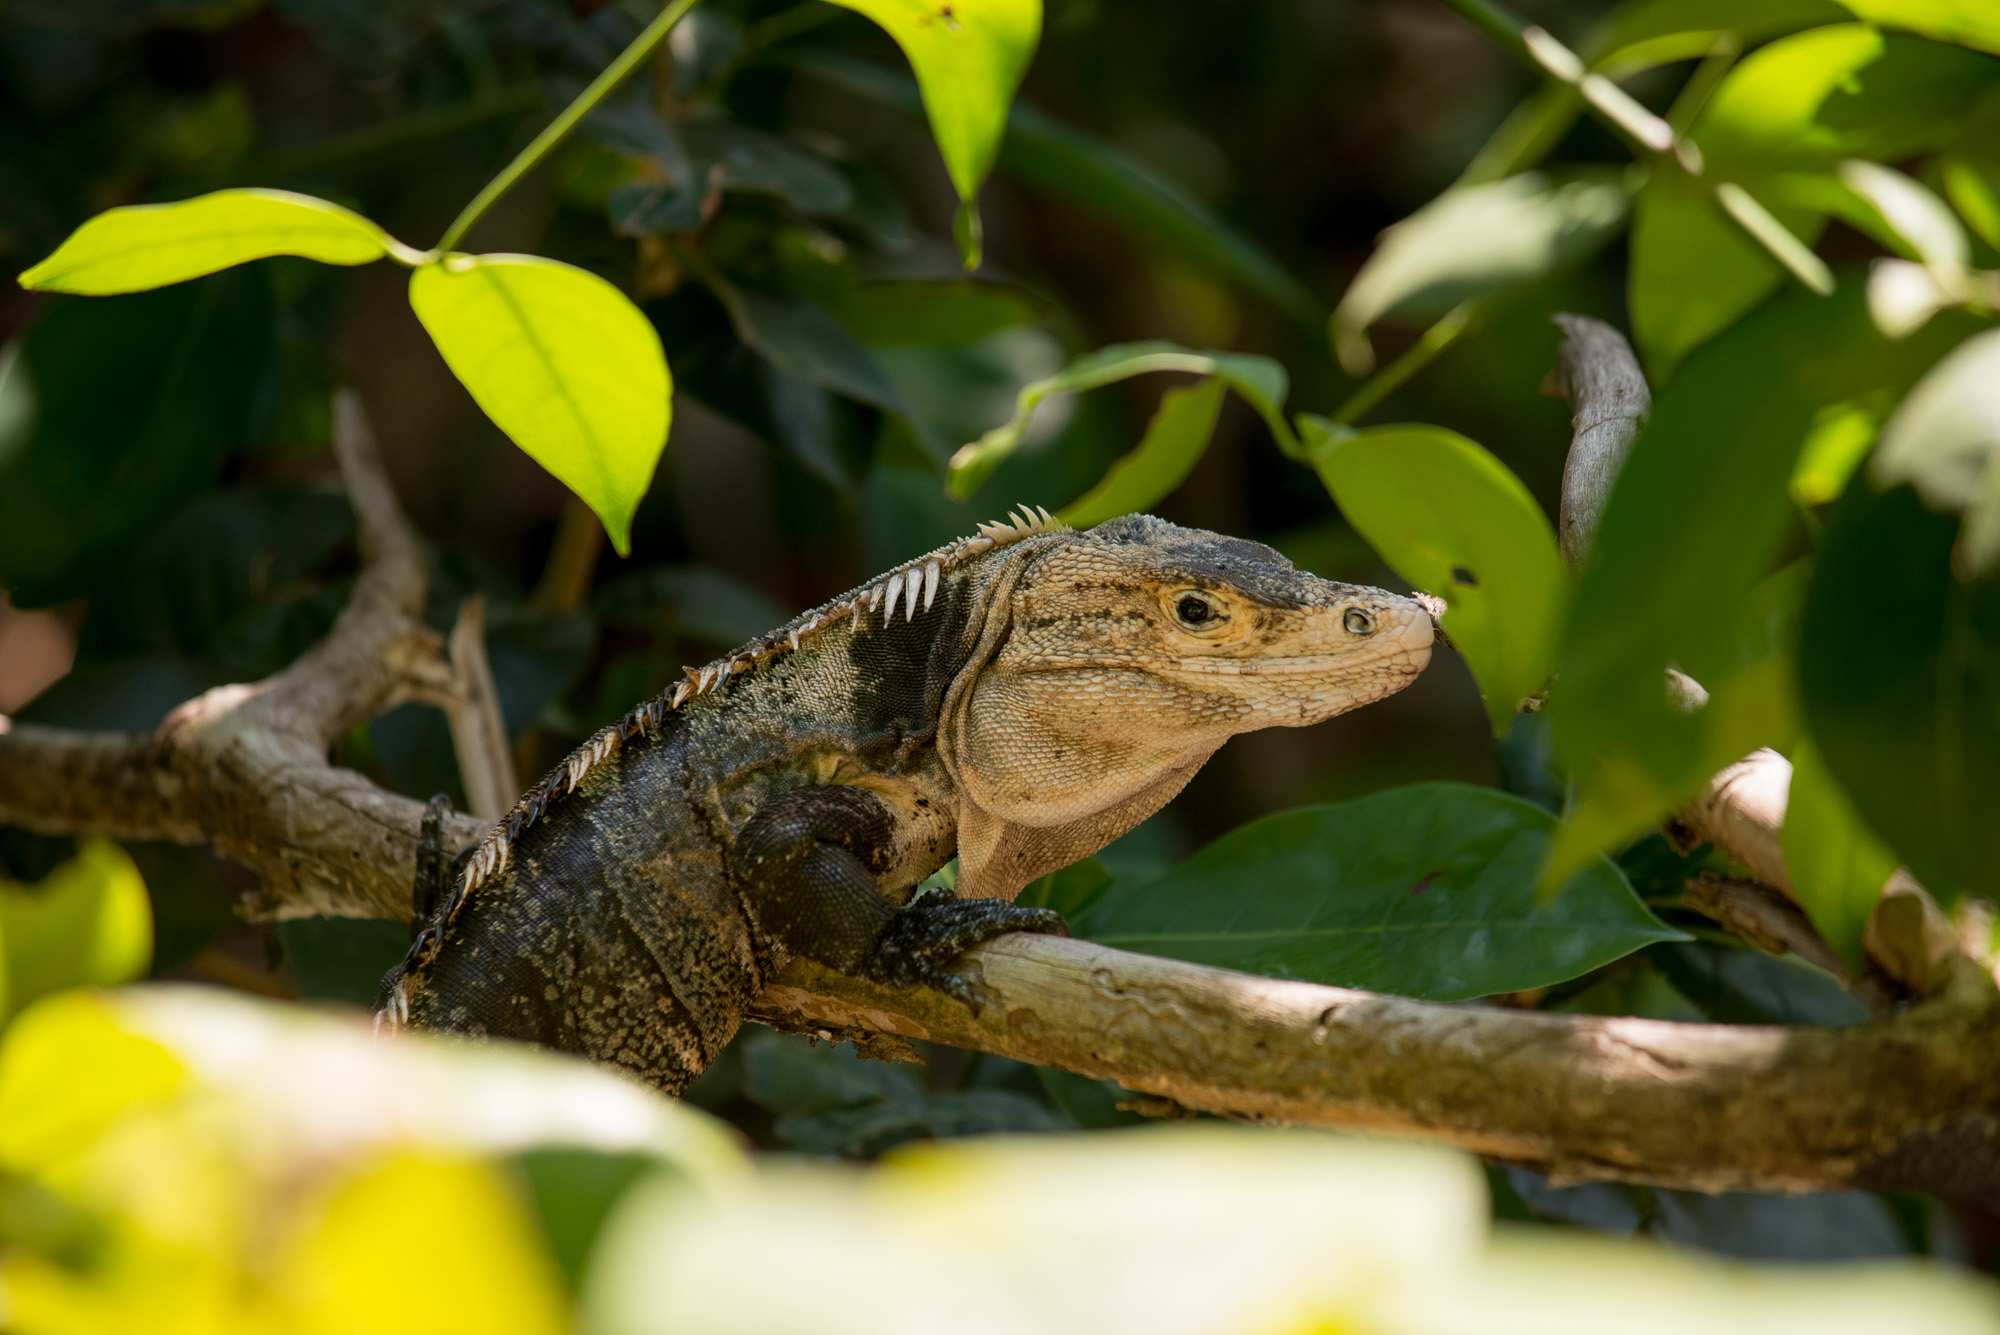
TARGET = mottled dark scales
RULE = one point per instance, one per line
(1017, 699)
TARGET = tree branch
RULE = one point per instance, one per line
(1908, 1105)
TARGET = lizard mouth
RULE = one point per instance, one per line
(1298, 665)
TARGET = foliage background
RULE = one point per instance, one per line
(190, 534)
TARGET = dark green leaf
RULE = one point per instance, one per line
(800, 339)
(132, 402)
(1737, 985)
(1070, 891)
(574, 1192)
(933, 314)
(1067, 162)
(1428, 891)
(342, 959)
(693, 600)
(1908, 716)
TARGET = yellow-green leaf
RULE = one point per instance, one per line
(1169, 450)
(569, 368)
(1452, 519)
(969, 56)
(1838, 864)
(151, 245)
(88, 921)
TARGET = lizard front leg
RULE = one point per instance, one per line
(809, 860)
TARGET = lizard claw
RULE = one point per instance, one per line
(933, 930)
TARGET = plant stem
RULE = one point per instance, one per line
(1421, 354)
(558, 129)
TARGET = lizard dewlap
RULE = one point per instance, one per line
(1018, 699)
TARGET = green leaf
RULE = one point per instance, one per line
(928, 314)
(1907, 717)
(1452, 519)
(801, 339)
(87, 923)
(120, 412)
(1167, 453)
(1069, 891)
(968, 56)
(1945, 441)
(1974, 23)
(1065, 161)
(1692, 527)
(1650, 32)
(1837, 863)
(1427, 891)
(563, 363)
(1470, 240)
(1261, 381)
(145, 246)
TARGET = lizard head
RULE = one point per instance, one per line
(1205, 633)
(1134, 650)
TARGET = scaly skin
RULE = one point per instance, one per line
(1053, 691)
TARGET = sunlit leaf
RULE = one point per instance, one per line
(968, 56)
(1923, 221)
(1908, 721)
(1945, 441)
(1470, 240)
(1426, 891)
(1973, 23)
(1837, 864)
(145, 246)
(1647, 32)
(563, 363)
(1261, 381)
(1166, 454)
(89, 922)
(1452, 519)
(68, 1072)
(1971, 192)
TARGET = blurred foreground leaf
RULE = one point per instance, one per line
(1455, 521)
(1692, 527)
(1838, 865)
(1426, 891)
(1908, 717)
(1945, 441)
(88, 922)
(145, 246)
(563, 363)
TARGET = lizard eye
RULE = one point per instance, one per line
(1358, 622)
(1197, 612)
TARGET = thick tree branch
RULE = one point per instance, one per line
(1912, 1104)
(1909, 1105)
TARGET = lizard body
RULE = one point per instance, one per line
(1019, 699)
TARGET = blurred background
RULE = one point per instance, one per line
(1210, 174)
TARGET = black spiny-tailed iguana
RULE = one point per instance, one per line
(1021, 698)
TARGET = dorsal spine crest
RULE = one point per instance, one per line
(901, 584)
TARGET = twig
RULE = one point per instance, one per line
(1596, 371)
(478, 732)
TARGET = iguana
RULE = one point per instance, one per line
(1020, 698)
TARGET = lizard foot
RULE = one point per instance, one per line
(927, 934)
